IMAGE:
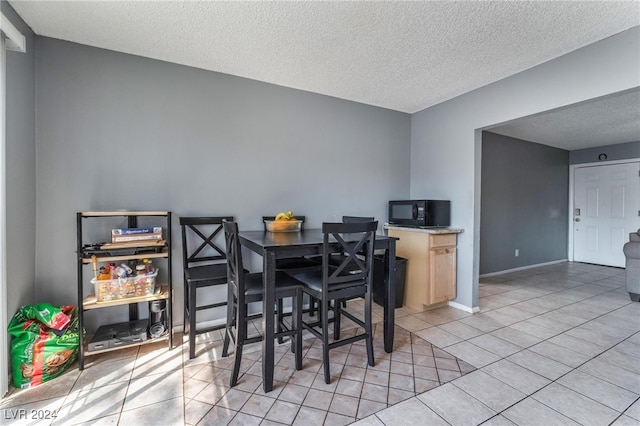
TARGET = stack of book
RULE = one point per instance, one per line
(136, 234)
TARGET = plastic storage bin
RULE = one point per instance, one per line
(283, 225)
(125, 288)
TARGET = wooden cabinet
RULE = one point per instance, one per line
(431, 266)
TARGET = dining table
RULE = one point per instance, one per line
(307, 242)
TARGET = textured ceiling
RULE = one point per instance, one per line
(404, 56)
(606, 121)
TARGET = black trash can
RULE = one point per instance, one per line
(380, 279)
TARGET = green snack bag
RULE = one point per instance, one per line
(45, 342)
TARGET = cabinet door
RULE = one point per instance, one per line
(442, 266)
(414, 246)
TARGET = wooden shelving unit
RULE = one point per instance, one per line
(85, 250)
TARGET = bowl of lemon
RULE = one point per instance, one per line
(284, 222)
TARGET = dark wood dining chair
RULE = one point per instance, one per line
(293, 264)
(246, 288)
(336, 259)
(351, 278)
(204, 263)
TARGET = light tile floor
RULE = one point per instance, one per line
(558, 344)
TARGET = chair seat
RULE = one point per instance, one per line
(254, 287)
(313, 281)
(207, 274)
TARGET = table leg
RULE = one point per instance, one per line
(268, 313)
(390, 293)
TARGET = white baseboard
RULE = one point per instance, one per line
(522, 268)
(464, 307)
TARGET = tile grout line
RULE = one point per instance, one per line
(610, 309)
(545, 340)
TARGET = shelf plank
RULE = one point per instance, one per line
(147, 255)
(89, 302)
(146, 342)
(124, 213)
(134, 245)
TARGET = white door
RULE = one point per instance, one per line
(606, 209)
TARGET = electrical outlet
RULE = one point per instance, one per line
(517, 252)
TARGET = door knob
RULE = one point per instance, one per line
(577, 219)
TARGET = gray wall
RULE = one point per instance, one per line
(122, 132)
(117, 131)
(446, 139)
(621, 151)
(20, 169)
(524, 203)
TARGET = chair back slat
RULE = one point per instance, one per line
(351, 238)
(235, 268)
(356, 219)
(351, 219)
(199, 244)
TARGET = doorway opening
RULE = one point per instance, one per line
(552, 131)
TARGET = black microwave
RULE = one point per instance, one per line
(420, 213)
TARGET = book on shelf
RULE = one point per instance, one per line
(136, 231)
(136, 237)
